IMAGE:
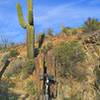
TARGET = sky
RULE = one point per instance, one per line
(47, 14)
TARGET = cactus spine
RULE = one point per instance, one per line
(28, 26)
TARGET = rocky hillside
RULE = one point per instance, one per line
(15, 83)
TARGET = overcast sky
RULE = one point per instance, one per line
(48, 14)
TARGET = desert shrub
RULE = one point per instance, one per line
(30, 88)
(5, 94)
(21, 67)
(14, 53)
(91, 24)
(5, 84)
(4, 57)
(74, 31)
(30, 66)
(3, 49)
(67, 56)
(15, 67)
(67, 30)
(27, 69)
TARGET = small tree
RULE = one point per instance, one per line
(91, 24)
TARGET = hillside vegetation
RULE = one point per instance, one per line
(77, 68)
(72, 58)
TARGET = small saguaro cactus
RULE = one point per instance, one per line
(28, 26)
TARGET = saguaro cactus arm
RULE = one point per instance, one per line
(20, 16)
(30, 12)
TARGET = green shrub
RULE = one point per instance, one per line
(27, 69)
(14, 53)
(20, 66)
(4, 57)
(30, 88)
(30, 66)
(67, 56)
(91, 24)
(74, 31)
(15, 67)
(67, 30)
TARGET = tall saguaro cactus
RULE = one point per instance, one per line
(29, 26)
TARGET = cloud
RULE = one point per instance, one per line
(69, 14)
(47, 14)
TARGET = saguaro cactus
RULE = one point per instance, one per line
(29, 26)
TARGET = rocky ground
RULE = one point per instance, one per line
(18, 87)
